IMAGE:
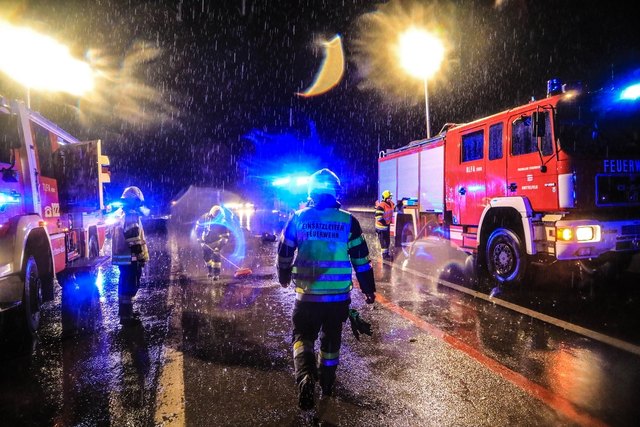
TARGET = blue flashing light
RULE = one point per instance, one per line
(6, 199)
(631, 93)
(554, 87)
(281, 181)
(291, 180)
(302, 180)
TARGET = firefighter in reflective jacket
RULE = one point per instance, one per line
(383, 218)
(130, 252)
(213, 234)
(329, 244)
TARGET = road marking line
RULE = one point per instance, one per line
(589, 333)
(170, 401)
(558, 403)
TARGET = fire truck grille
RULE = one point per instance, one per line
(617, 190)
(630, 229)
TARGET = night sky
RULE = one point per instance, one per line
(203, 92)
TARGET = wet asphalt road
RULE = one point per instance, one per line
(218, 353)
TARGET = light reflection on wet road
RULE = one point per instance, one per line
(437, 357)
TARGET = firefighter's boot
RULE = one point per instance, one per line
(125, 311)
(216, 264)
(306, 391)
(327, 377)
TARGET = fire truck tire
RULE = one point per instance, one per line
(506, 257)
(32, 297)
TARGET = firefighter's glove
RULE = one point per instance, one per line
(284, 276)
(370, 298)
(358, 326)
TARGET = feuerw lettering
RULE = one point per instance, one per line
(322, 230)
(621, 166)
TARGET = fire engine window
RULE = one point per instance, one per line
(523, 141)
(9, 137)
(43, 144)
(495, 142)
(472, 146)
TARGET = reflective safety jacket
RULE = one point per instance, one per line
(384, 214)
(128, 243)
(212, 231)
(329, 244)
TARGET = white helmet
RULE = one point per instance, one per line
(132, 193)
(324, 181)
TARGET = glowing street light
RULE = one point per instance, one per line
(39, 62)
(420, 54)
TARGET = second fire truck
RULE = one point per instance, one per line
(51, 209)
(554, 180)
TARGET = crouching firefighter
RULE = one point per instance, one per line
(213, 235)
(130, 252)
(329, 244)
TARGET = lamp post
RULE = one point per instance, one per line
(420, 54)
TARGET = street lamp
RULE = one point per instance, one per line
(421, 54)
(39, 62)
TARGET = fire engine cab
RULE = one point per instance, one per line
(555, 180)
(51, 205)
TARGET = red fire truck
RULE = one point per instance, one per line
(51, 206)
(554, 180)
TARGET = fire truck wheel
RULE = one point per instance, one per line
(32, 296)
(506, 258)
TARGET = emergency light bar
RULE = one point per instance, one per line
(631, 93)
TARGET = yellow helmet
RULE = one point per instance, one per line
(386, 194)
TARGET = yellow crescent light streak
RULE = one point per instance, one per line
(40, 62)
(330, 72)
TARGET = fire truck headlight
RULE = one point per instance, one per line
(581, 233)
(587, 233)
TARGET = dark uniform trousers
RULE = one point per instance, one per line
(309, 320)
(212, 258)
(128, 285)
(384, 237)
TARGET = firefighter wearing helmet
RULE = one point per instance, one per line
(383, 219)
(129, 252)
(329, 244)
(213, 234)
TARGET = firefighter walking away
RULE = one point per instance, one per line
(383, 219)
(329, 244)
(213, 235)
(130, 252)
